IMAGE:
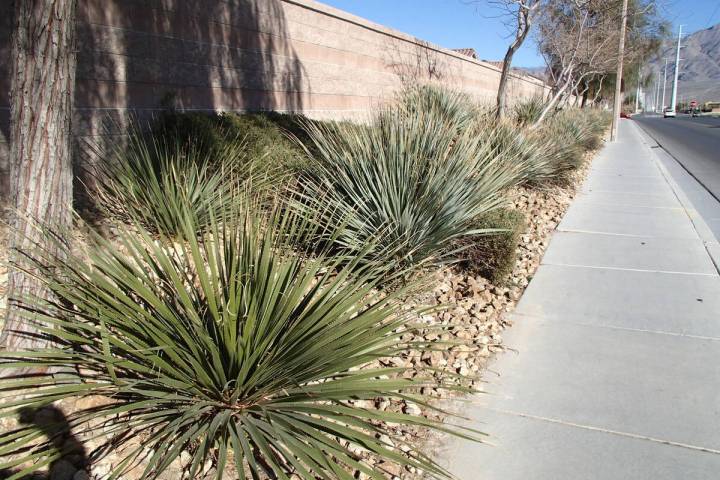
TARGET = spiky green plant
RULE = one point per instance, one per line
(232, 346)
(568, 134)
(526, 112)
(411, 182)
(523, 151)
(150, 178)
(449, 105)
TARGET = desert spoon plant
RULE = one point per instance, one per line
(412, 181)
(231, 346)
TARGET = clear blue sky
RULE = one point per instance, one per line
(461, 24)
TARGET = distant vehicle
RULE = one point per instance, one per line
(712, 107)
(669, 113)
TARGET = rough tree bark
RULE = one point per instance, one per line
(43, 85)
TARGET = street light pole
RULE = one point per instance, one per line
(664, 86)
(677, 71)
(619, 76)
(657, 92)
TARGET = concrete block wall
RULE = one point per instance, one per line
(140, 56)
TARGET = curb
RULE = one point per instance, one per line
(712, 246)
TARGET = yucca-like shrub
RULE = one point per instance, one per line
(231, 346)
(568, 135)
(150, 178)
(449, 105)
(520, 149)
(526, 112)
(411, 182)
(584, 126)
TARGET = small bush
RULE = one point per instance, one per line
(567, 135)
(519, 149)
(449, 105)
(526, 112)
(411, 182)
(493, 255)
(271, 137)
(267, 136)
(150, 178)
(231, 346)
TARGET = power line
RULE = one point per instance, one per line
(712, 17)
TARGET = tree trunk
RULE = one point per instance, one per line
(524, 18)
(504, 80)
(43, 85)
(551, 103)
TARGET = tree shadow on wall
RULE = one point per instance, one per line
(138, 57)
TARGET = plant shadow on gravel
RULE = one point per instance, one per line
(53, 424)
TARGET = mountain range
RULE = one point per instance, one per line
(699, 77)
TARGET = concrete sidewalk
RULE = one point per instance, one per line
(617, 370)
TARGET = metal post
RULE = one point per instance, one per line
(664, 86)
(677, 71)
(619, 76)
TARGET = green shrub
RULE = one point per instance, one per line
(150, 178)
(197, 130)
(449, 105)
(567, 135)
(493, 255)
(271, 137)
(411, 182)
(268, 136)
(526, 112)
(233, 347)
(521, 150)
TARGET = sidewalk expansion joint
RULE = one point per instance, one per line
(626, 192)
(622, 269)
(626, 205)
(607, 431)
(616, 327)
(629, 235)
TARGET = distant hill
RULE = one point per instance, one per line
(537, 72)
(699, 65)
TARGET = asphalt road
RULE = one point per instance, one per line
(694, 142)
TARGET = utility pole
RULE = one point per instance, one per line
(619, 76)
(657, 93)
(677, 71)
(664, 86)
(639, 75)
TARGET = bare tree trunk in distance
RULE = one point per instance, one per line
(43, 86)
(524, 23)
